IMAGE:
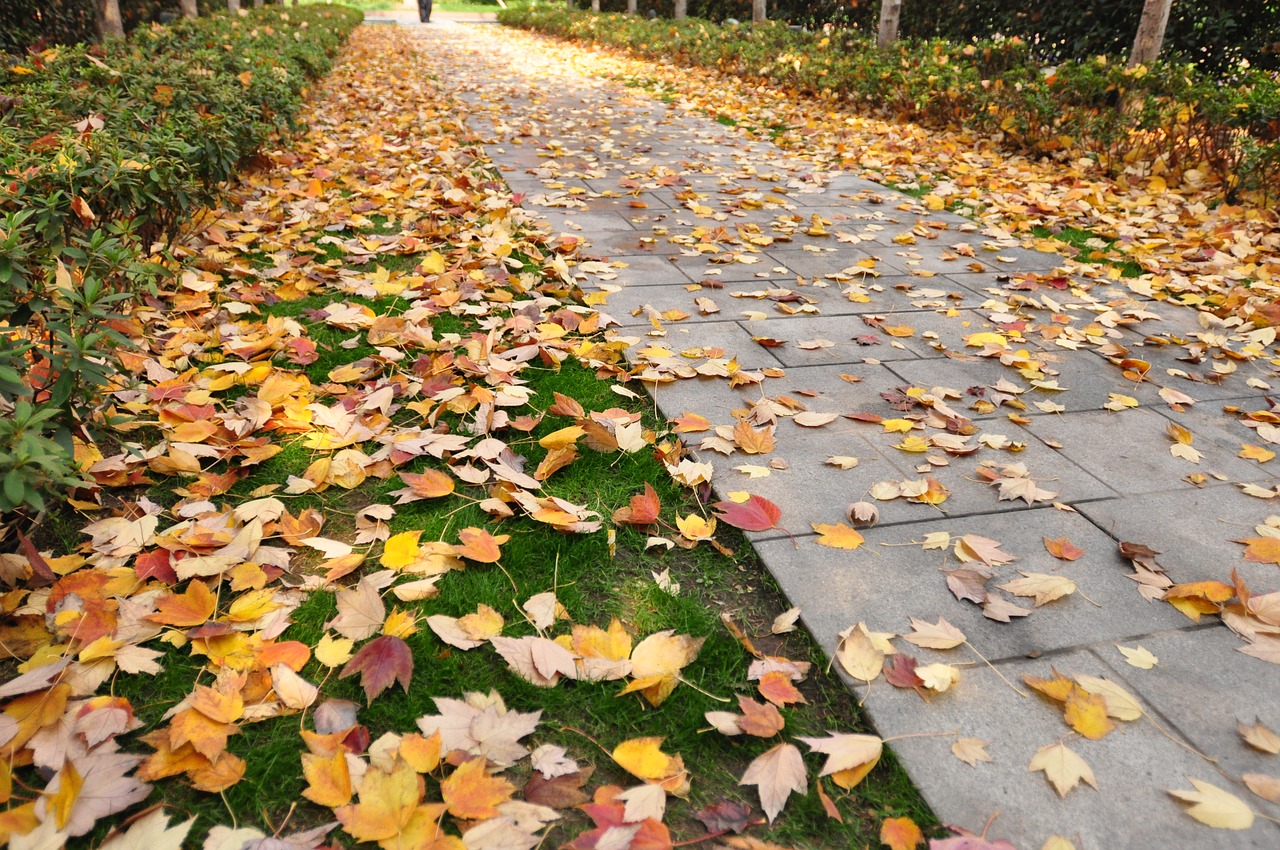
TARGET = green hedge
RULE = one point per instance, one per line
(108, 150)
(1215, 34)
(999, 87)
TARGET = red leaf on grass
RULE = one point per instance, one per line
(643, 510)
(380, 662)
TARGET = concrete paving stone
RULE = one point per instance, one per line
(1194, 532)
(628, 243)
(622, 305)
(1051, 470)
(1129, 450)
(642, 270)
(817, 265)
(1087, 387)
(698, 268)
(1224, 430)
(1134, 767)
(1204, 686)
(840, 330)
(810, 386)
(891, 578)
(624, 203)
(809, 489)
(576, 221)
(729, 336)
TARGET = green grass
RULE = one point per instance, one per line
(1091, 248)
(471, 8)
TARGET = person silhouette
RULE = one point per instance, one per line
(424, 11)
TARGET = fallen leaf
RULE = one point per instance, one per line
(970, 751)
(1138, 657)
(776, 774)
(838, 536)
(380, 662)
(1214, 807)
(900, 834)
(1062, 767)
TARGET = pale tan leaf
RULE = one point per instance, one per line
(970, 751)
(1214, 807)
(1062, 767)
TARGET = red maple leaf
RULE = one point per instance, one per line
(755, 514)
(380, 662)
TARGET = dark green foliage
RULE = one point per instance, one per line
(1172, 112)
(1215, 34)
(107, 151)
(37, 24)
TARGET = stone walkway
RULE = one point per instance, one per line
(684, 216)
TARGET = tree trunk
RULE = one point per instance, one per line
(1146, 45)
(257, 4)
(758, 15)
(189, 8)
(233, 6)
(571, 5)
(595, 5)
(890, 12)
(681, 10)
(110, 24)
(631, 7)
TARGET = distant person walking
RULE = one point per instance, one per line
(424, 11)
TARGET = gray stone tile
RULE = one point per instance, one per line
(577, 221)
(632, 306)
(644, 270)
(840, 330)
(1086, 388)
(1193, 530)
(1203, 686)
(891, 578)
(698, 268)
(1134, 766)
(1129, 450)
(729, 336)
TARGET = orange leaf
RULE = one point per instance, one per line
(1262, 550)
(328, 779)
(1057, 689)
(760, 719)
(185, 610)
(690, 423)
(472, 794)
(1087, 714)
(479, 545)
(1062, 548)
(838, 536)
(776, 687)
(429, 484)
(753, 441)
(901, 834)
(643, 510)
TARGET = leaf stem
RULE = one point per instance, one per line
(1015, 688)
